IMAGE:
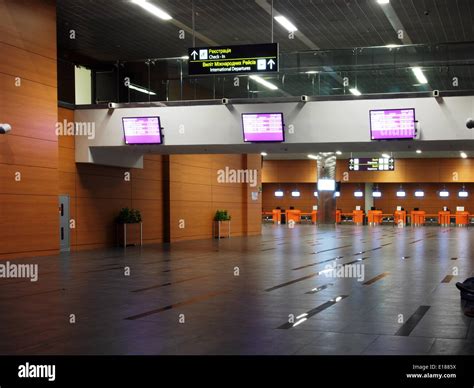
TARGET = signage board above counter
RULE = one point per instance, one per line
(253, 58)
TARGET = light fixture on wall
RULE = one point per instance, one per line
(463, 193)
(419, 193)
(315, 193)
(263, 153)
(337, 194)
(358, 193)
(296, 193)
(444, 193)
(401, 193)
(376, 193)
(279, 193)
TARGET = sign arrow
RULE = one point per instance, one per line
(194, 54)
(351, 161)
(351, 168)
(391, 167)
(271, 63)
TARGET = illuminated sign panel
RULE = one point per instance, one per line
(254, 58)
(371, 164)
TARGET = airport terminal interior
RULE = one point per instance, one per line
(255, 177)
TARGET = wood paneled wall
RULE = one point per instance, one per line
(432, 203)
(414, 170)
(346, 202)
(196, 194)
(29, 220)
(289, 171)
(97, 193)
(304, 203)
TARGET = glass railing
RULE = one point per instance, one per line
(322, 73)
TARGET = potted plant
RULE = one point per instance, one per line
(222, 224)
(129, 223)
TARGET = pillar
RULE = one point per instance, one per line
(326, 165)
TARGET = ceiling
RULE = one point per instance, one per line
(108, 30)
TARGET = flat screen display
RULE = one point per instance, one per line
(392, 124)
(263, 127)
(142, 130)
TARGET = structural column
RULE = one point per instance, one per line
(326, 164)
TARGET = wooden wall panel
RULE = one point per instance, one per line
(289, 171)
(431, 203)
(304, 203)
(196, 194)
(27, 65)
(29, 217)
(97, 193)
(30, 108)
(29, 224)
(33, 180)
(347, 202)
(29, 25)
(414, 170)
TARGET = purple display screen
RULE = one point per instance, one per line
(391, 124)
(142, 130)
(263, 127)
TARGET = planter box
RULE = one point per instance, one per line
(221, 229)
(129, 234)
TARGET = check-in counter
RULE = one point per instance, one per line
(462, 218)
(418, 217)
(293, 215)
(276, 216)
(374, 217)
(338, 216)
(358, 217)
(444, 218)
(400, 217)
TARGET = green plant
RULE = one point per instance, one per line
(222, 215)
(129, 216)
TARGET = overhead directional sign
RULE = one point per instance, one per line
(253, 58)
(371, 164)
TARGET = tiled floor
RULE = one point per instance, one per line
(186, 299)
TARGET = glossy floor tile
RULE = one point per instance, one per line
(307, 290)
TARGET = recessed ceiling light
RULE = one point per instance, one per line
(263, 153)
(419, 151)
(419, 75)
(355, 92)
(185, 57)
(386, 156)
(463, 155)
(383, 1)
(338, 153)
(286, 23)
(312, 157)
(153, 9)
(391, 45)
(311, 72)
(263, 82)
